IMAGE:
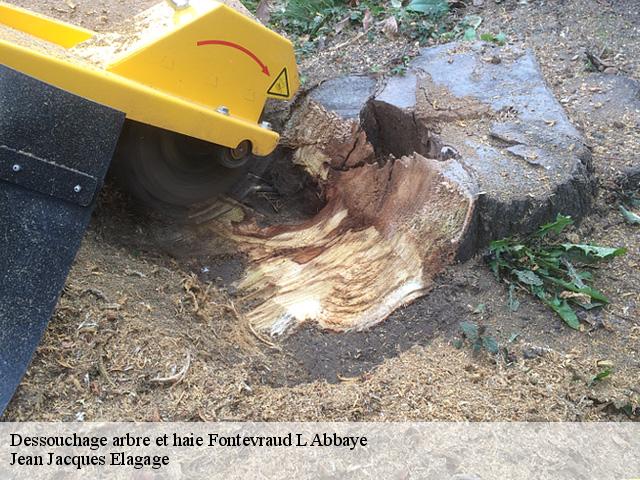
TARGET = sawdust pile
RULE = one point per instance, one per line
(107, 48)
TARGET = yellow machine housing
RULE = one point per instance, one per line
(203, 71)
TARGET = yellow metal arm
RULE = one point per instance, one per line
(177, 70)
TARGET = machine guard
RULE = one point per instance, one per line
(55, 149)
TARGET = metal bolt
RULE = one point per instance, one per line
(16, 168)
(223, 110)
(266, 125)
(179, 4)
(77, 189)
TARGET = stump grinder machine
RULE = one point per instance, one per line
(175, 97)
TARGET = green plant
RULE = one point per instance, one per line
(308, 17)
(401, 69)
(550, 270)
(600, 376)
(252, 5)
(631, 411)
(467, 29)
(499, 39)
(432, 8)
(629, 216)
(308, 20)
(477, 337)
(470, 25)
(629, 205)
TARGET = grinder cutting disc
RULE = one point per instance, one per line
(173, 172)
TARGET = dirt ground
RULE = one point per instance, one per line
(131, 315)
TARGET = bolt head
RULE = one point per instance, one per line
(77, 189)
(223, 110)
(266, 125)
(179, 4)
(16, 168)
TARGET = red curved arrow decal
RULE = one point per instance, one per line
(244, 50)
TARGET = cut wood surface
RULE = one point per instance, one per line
(385, 232)
(387, 227)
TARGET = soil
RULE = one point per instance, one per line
(131, 314)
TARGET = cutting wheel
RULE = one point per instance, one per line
(165, 169)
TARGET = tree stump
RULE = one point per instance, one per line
(408, 175)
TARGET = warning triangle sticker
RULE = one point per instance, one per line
(280, 86)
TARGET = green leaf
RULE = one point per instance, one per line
(495, 268)
(490, 344)
(594, 294)
(539, 292)
(469, 34)
(528, 277)
(591, 306)
(557, 226)
(499, 246)
(600, 376)
(630, 217)
(562, 308)
(470, 330)
(586, 289)
(573, 274)
(500, 38)
(594, 252)
(432, 8)
(629, 410)
(585, 276)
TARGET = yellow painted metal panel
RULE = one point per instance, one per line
(140, 102)
(176, 77)
(217, 57)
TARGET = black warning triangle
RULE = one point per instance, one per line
(280, 86)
